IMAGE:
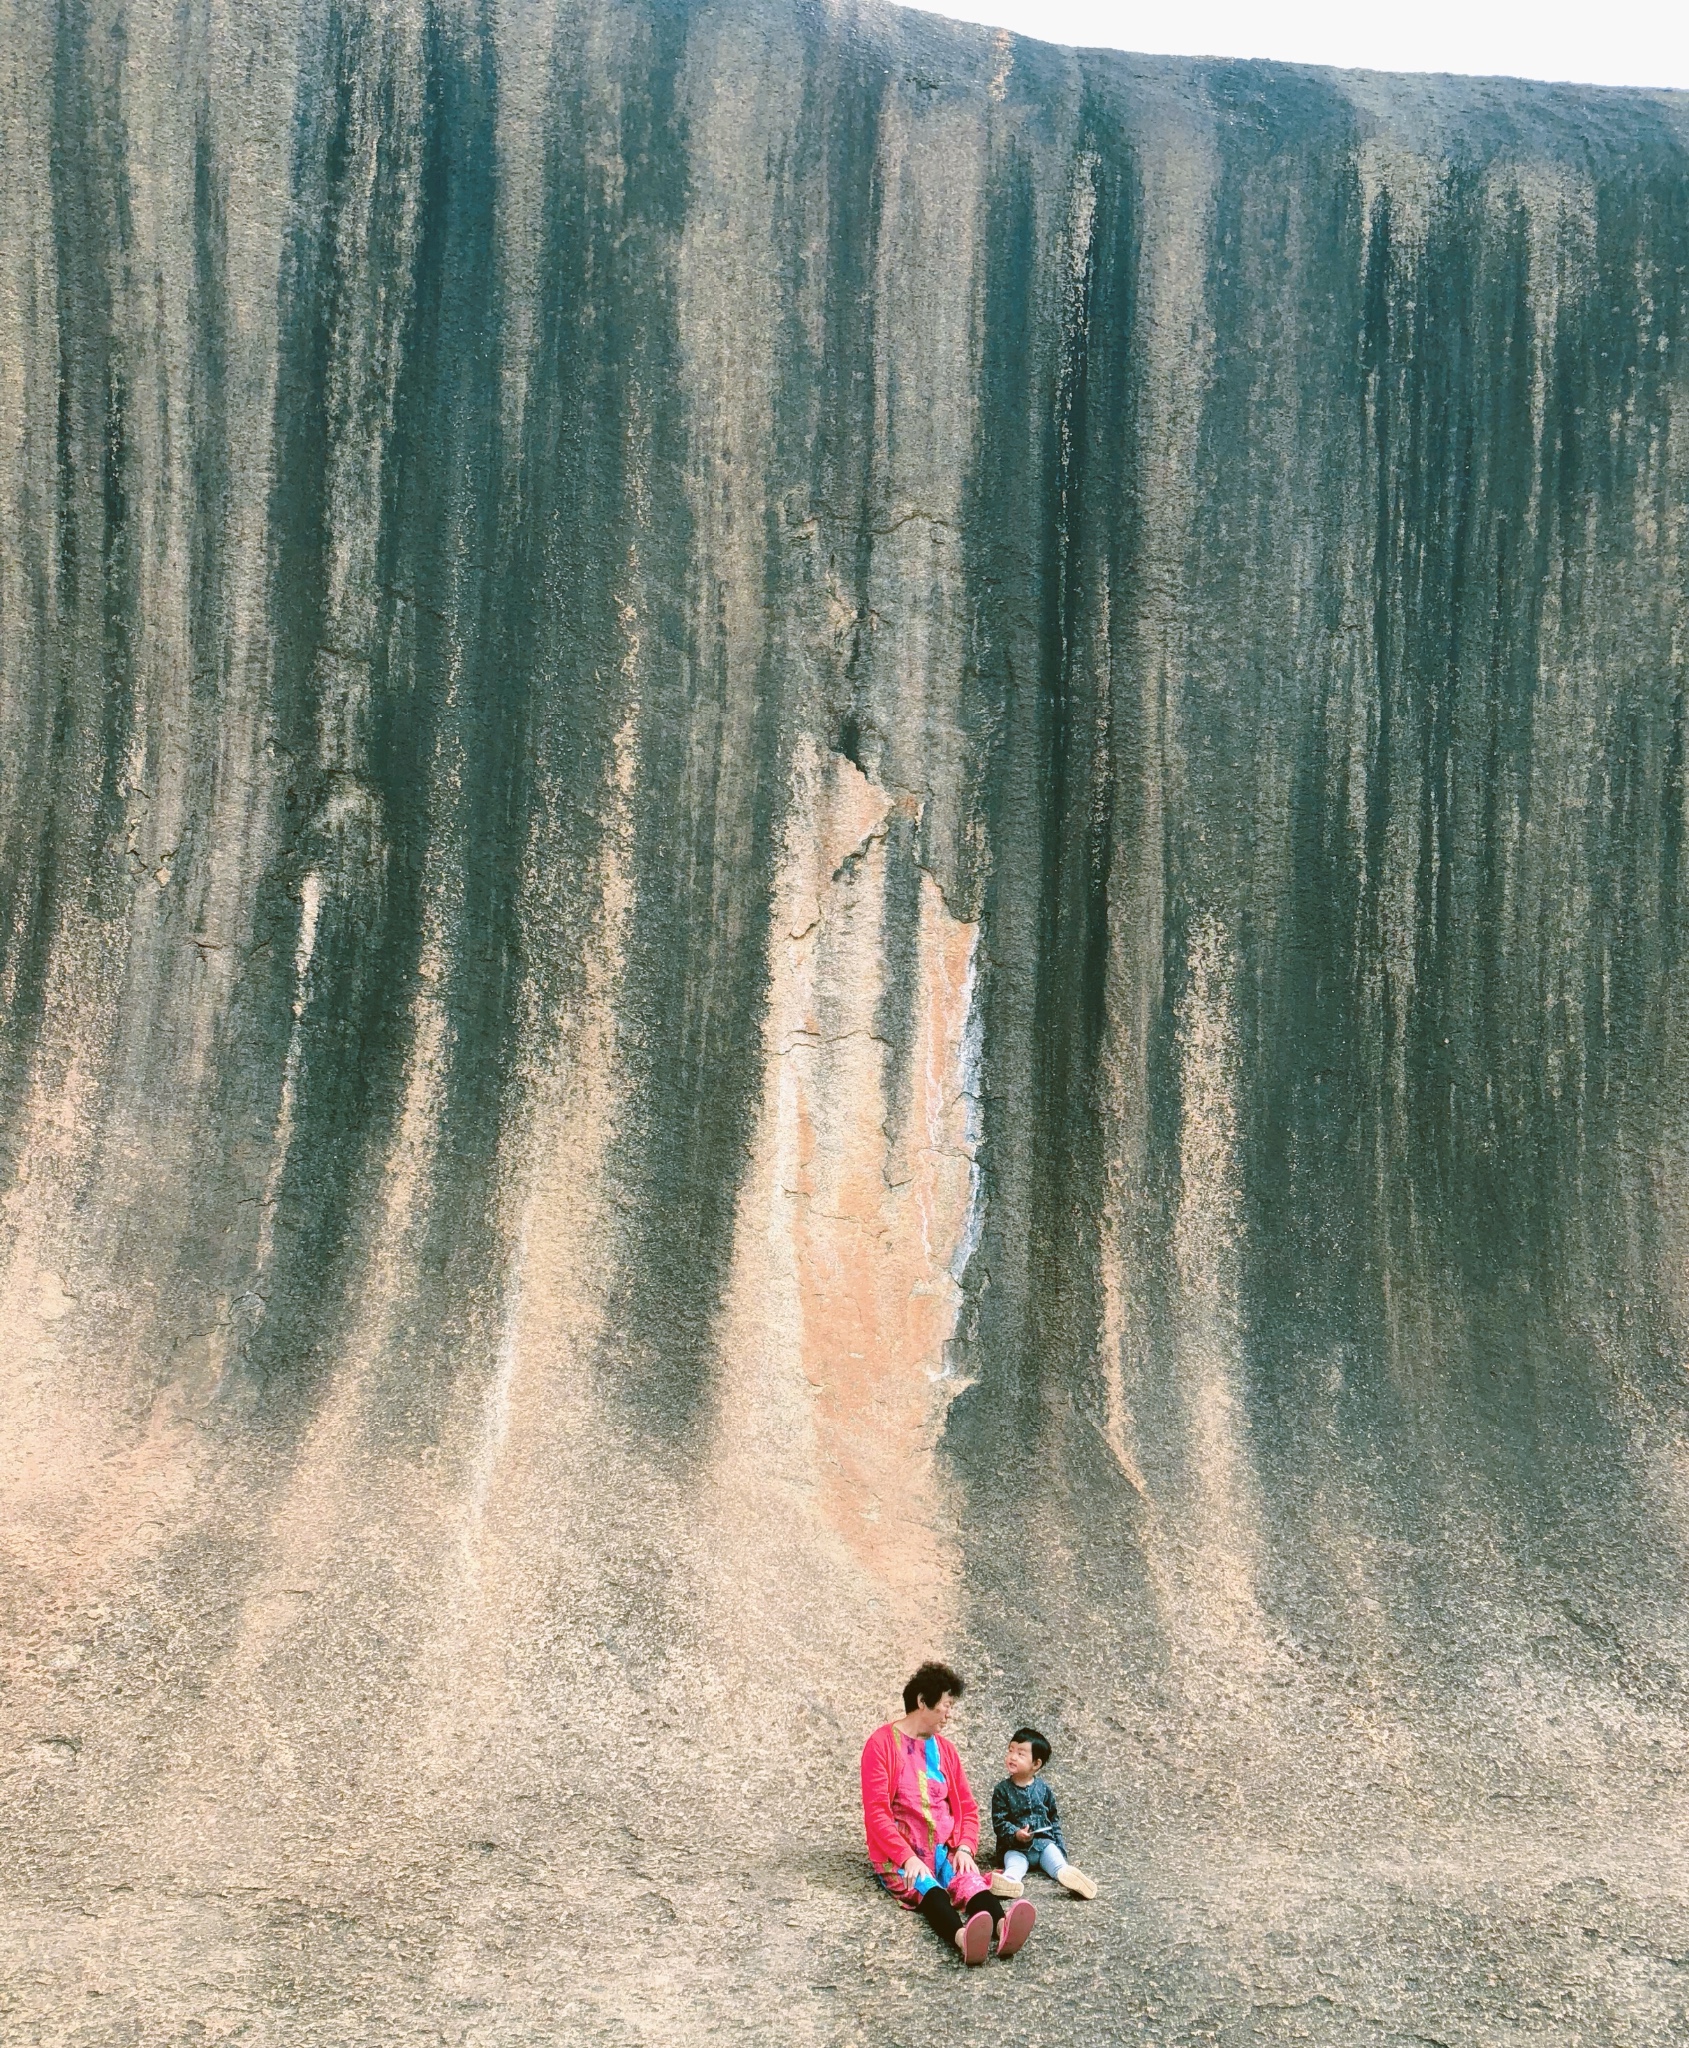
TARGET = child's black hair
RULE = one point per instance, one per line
(1040, 1744)
(929, 1685)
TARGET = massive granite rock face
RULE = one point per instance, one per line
(822, 837)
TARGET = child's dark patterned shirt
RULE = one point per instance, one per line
(1024, 1806)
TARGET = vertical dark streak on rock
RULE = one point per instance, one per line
(1087, 600)
(345, 803)
(564, 528)
(66, 846)
(999, 710)
(1672, 792)
(847, 113)
(254, 1043)
(119, 590)
(1048, 704)
(208, 441)
(1272, 692)
(894, 1014)
(441, 657)
(693, 982)
(845, 110)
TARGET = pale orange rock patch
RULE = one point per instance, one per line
(874, 1172)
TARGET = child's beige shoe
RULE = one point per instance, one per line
(1075, 1881)
(1003, 1885)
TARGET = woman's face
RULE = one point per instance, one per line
(929, 1720)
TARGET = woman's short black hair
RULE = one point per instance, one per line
(929, 1685)
(1040, 1743)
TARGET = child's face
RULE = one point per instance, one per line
(1020, 1760)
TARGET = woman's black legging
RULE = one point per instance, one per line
(941, 1915)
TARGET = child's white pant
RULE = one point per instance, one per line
(1047, 1856)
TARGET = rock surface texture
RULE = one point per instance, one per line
(823, 838)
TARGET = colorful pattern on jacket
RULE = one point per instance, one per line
(916, 1802)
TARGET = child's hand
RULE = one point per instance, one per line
(1023, 1835)
(914, 1870)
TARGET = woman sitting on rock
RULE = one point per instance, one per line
(923, 1825)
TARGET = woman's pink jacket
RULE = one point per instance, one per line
(888, 1850)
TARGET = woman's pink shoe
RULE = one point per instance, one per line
(976, 1939)
(1017, 1925)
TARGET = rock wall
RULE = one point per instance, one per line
(822, 837)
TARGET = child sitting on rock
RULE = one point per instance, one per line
(1023, 1811)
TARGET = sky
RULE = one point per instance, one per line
(1627, 42)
